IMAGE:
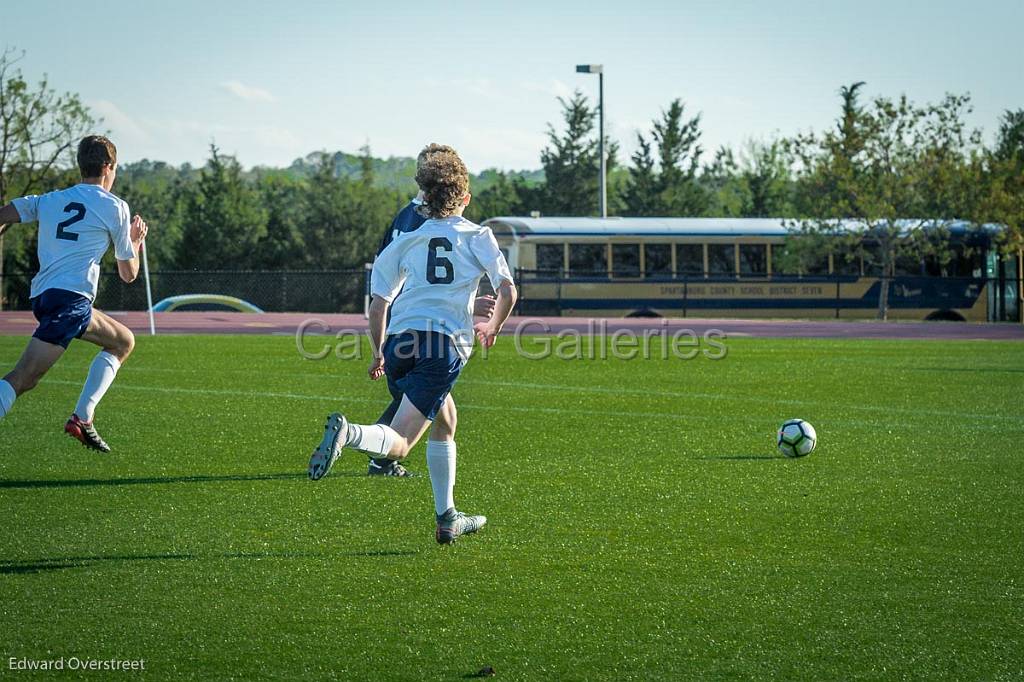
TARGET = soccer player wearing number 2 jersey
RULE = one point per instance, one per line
(437, 268)
(76, 226)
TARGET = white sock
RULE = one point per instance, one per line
(441, 465)
(101, 375)
(376, 439)
(7, 397)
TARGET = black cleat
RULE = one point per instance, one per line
(85, 433)
(387, 467)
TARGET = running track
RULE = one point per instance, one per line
(22, 324)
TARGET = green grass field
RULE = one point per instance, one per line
(641, 524)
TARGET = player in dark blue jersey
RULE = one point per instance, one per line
(409, 219)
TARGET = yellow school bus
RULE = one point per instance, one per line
(723, 267)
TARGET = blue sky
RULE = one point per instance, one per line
(272, 81)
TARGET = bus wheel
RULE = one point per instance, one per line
(945, 316)
(643, 312)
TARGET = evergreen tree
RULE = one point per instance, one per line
(723, 185)
(679, 155)
(500, 198)
(674, 189)
(224, 219)
(158, 191)
(284, 246)
(766, 181)
(641, 192)
(572, 162)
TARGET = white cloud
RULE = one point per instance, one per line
(553, 87)
(177, 140)
(248, 92)
(121, 125)
(506, 148)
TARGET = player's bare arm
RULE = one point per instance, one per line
(129, 269)
(8, 216)
(483, 306)
(487, 332)
(378, 321)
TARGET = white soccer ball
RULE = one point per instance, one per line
(796, 438)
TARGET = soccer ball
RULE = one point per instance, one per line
(796, 438)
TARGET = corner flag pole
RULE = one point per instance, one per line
(149, 289)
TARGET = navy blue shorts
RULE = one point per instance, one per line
(62, 315)
(422, 366)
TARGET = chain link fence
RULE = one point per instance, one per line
(551, 293)
(323, 291)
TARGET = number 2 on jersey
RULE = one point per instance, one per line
(436, 246)
(79, 211)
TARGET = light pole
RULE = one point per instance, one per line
(599, 70)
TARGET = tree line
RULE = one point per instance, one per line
(883, 160)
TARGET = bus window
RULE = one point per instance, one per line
(549, 258)
(690, 259)
(753, 259)
(908, 264)
(721, 259)
(819, 266)
(657, 259)
(588, 259)
(626, 260)
(955, 262)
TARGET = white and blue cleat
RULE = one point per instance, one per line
(335, 435)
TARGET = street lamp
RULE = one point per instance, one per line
(599, 70)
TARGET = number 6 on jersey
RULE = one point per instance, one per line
(434, 261)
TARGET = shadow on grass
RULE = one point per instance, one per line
(9, 567)
(160, 480)
(996, 370)
(739, 457)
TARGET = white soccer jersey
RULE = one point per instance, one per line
(438, 269)
(76, 226)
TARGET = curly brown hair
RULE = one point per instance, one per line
(444, 180)
(95, 152)
(431, 148)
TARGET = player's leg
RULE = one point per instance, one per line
(422, 368)
(441, 456)
(35, 362)
(63, 316)
(337, 431)
(117, 343)
(379, 441)
(441, 459)
(382, 466)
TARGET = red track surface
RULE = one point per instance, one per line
(23, 324)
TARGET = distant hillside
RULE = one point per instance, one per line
(397, 171)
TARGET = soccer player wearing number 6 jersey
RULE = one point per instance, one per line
(409, 219)
(437, 268)
(76, 227)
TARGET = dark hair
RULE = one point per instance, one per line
(445, 182)
(95, 152)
